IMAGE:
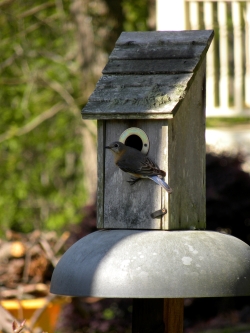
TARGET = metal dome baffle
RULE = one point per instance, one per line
(152, 97)
(154, 264)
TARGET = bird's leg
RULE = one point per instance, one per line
(133, 180)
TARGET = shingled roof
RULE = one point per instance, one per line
(148, 74)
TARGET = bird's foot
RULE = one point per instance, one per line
(133, 180)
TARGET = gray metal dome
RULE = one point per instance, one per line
(154, 264)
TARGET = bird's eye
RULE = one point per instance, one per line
(116, 145)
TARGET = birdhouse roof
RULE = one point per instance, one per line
(148, 74)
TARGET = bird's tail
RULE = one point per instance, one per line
(161, 182)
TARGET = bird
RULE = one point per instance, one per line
(137, 164)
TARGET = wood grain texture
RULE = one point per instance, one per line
(137, 81)
(153, 66)
(139, 96)
(168, 50)
(173, 315)
(147, 75)
(145, 88)
(186, 168)
(129, 111)
(163, 37)
(101, 125)
(126, 206)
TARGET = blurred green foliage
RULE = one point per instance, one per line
(40, 168)
(136, 14)
(45, 80)
(226, 122)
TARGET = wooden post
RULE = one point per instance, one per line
(173, 315)
(157, 315)
(148, 315)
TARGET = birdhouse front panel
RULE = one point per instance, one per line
(129, 205)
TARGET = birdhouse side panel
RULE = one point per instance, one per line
(187, 159)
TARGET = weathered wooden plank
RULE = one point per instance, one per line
(100, 172)
(139, 94)
(128, 110)
(112, 96)
(147, 66)
(121, 81)
(161, 37)
(186, 161)
(165, 198)
(140, 115)
(127, 206)
(120, 94)
(166, 51)
(173, 315)
(154, 95)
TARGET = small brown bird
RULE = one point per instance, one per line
(137, 164)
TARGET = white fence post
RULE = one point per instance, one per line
(210, 77)
(238, 57)
(247, 43)
(224, 55)
(170, 15)
(232, 47)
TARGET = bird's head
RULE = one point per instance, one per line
(116, 147)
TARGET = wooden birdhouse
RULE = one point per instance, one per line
(152, 97)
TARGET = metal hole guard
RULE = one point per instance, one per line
(138, 132)
(154, 264)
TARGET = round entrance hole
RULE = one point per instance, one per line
(136, 138)
(134, 141)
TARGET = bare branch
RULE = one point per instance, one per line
(56, 86)
(6, 2)
(36, 315)
(33, 123)
(41, 288)
(8, 61)
(36, 9)
(85, 33)
(7, 321)
(61, 241)
(48, 251)
(18, 328)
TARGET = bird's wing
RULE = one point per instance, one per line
(149, 168)
(140, 165)
(161, 182)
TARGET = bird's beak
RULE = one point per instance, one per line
(107, 147)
